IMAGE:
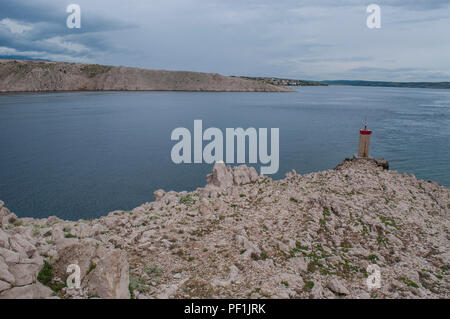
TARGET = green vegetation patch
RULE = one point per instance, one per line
(187, 200)
(137, 284)
(45, 277)
(92, 266)
(309, 285)
(387, 221)
(410, 283)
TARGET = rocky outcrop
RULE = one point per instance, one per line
(225, 176)
(6, 217)
(20, 264)
(32, 291)
(305, 236)
(380, 162)
(33, 76)
(104, 272)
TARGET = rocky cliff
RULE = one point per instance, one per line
(33, 76)
(245, 235)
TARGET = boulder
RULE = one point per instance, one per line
(20, 245)
(159, 194)
(53, 220)
(5, 274)
(33, 291)
(104, 272)
(4, 286)
(337, 287)
(9, 256)
(6, 217)
(4, 239)
(20, 264)
(110, 278)
(244, 175)
(223, 176)
(299, 264)
(24, 274)
(83, 230)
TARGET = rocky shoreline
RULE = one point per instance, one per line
(245, 236)
(36, 76)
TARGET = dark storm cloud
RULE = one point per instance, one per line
(54, 13)
(46, 31)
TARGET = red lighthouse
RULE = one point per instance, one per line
(364, 142)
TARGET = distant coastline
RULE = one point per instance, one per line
(285, 82)
(294, 82)
(426, 85)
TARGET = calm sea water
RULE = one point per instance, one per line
(83, 154)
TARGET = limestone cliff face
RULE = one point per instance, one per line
(33, 76)
(245, 235)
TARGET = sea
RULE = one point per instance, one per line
(80, 155)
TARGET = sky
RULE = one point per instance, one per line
(302, 39)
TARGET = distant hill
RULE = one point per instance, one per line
(430, 85)
(38, 76)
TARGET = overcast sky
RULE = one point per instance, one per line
(303, 39)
